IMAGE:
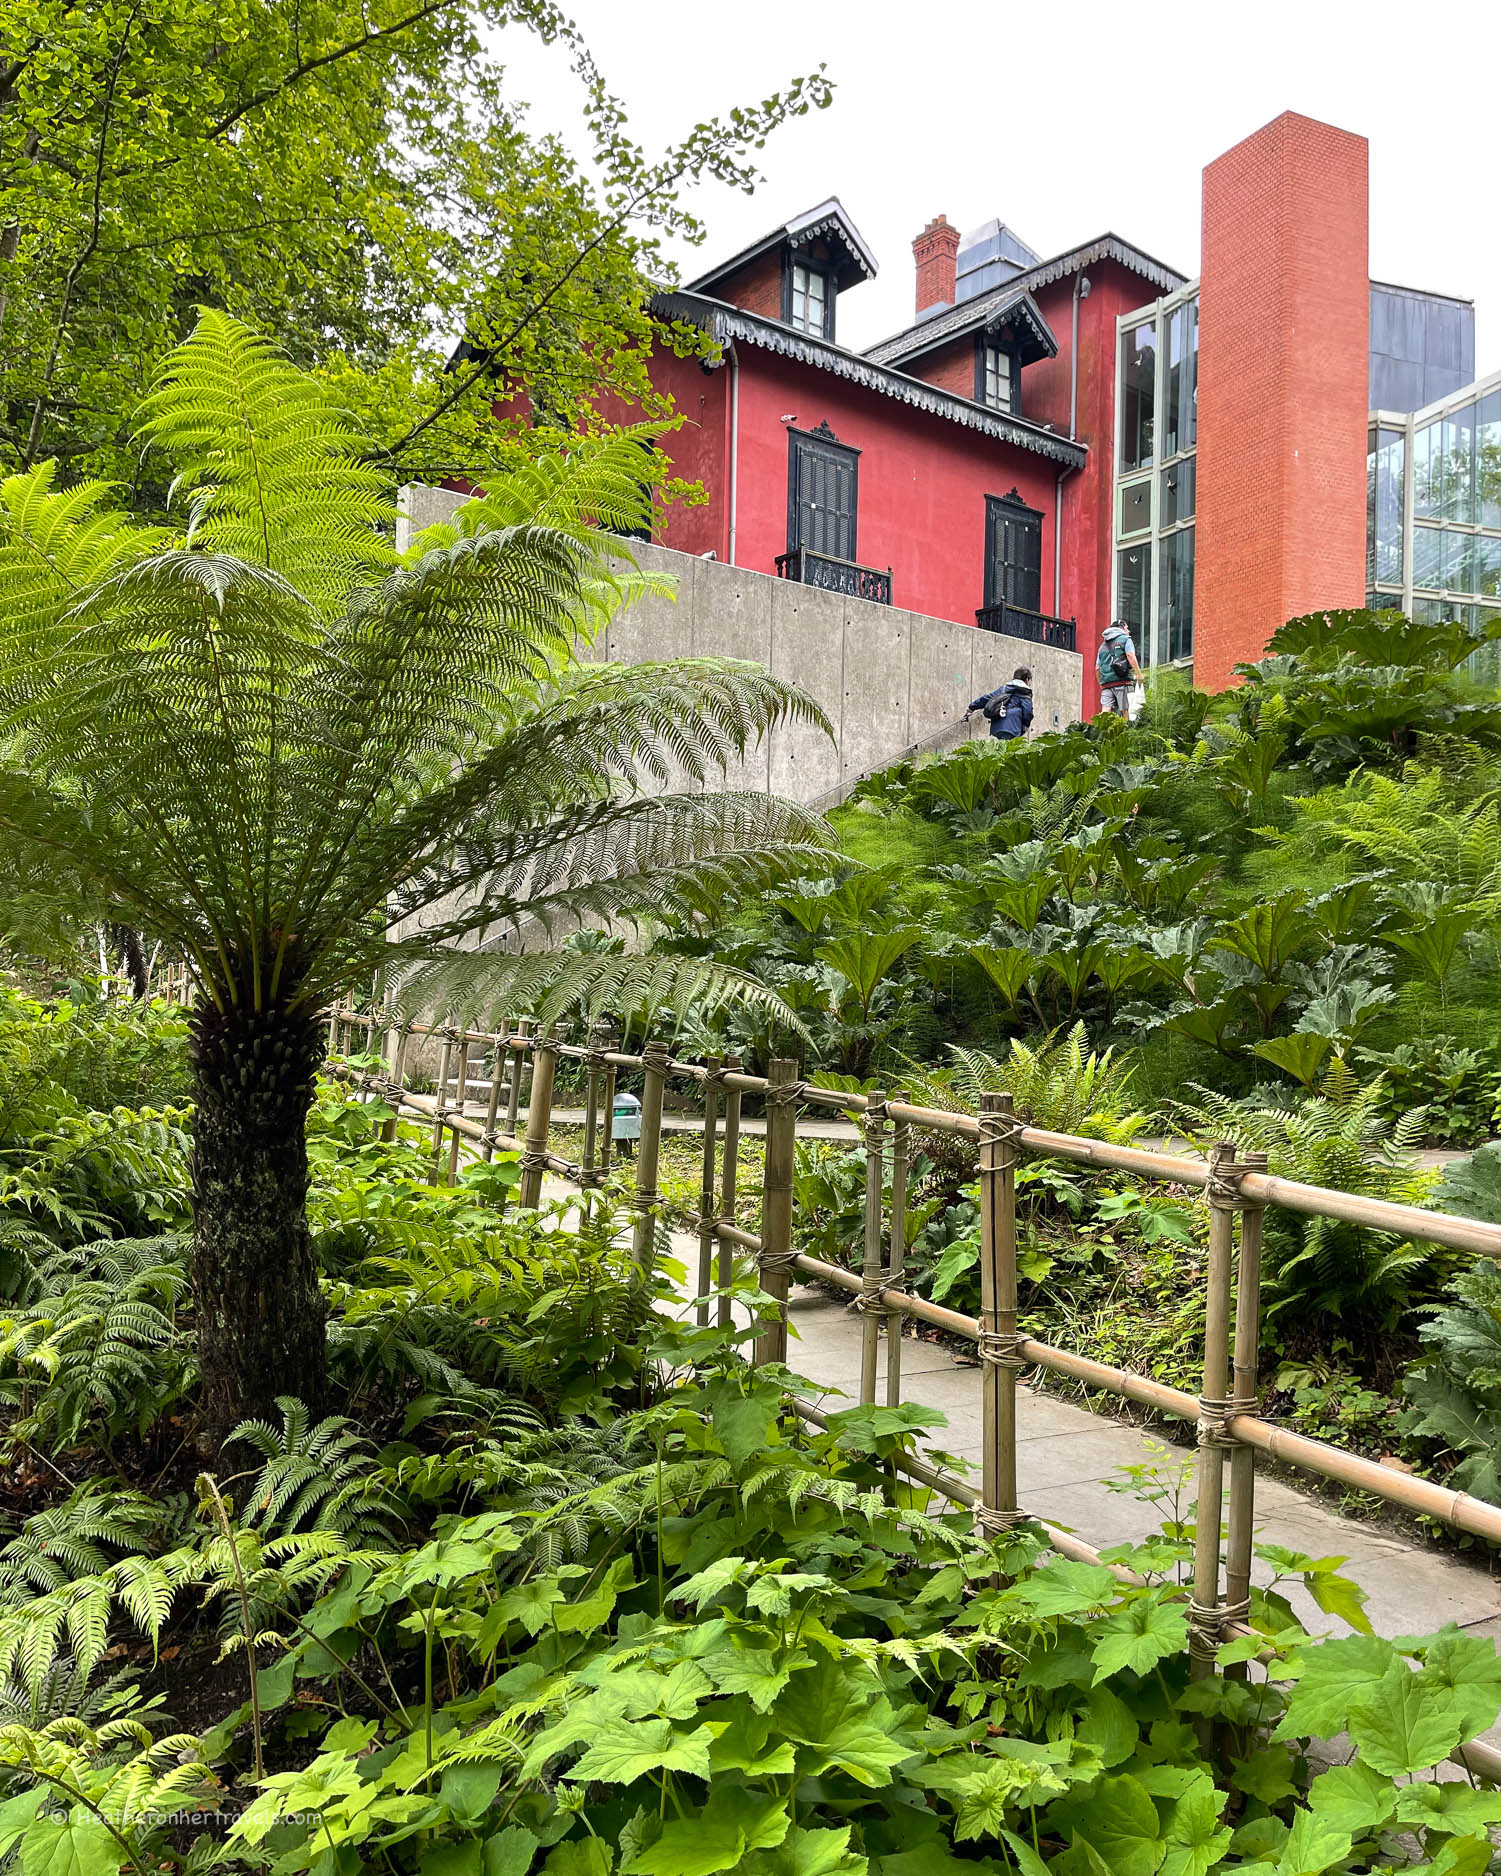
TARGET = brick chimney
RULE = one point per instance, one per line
(936, 252)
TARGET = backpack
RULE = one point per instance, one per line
(1111, 664)
(995, 704)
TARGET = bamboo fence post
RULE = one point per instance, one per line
(499, 1055)
(783, 1093)
(440, 1100)
(649, 1148)
(607, 1119)
(538, 1118)
(868, 1301)
(729, 1172)
(1244, 1399)
(707, 1193)
(1206, 1613)
(333, 1030)
(517, 1049)
(997, 1510)
(901, 1153)
(396, 1085)
(592, 1172)
(462, 1090)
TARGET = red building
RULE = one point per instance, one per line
(1056, 442)
(955, 469)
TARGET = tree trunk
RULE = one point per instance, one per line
(258, 1308)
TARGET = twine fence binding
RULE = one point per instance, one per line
(1229, 1433)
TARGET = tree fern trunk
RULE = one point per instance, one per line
(258, 1308)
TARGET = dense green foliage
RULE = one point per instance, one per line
(359, 183)
(569, 1589)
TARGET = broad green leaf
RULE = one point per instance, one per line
(1066, 1588)
(1109, 1727)
(755, 1672)
(1330, 1678)
(1027, 1861)
(624, 1750)
(1464, 1856)
(1138, 1636)
(1341, 1596)
(743, 1423)
(1266, 1774)
(863, 1429)
(77, 1845)
(807, 1853)
(580, 1856)
(1470, 1668)
(1120, 1823)
(1196, 1840)
(530, 1603)
(453, 1859)
(509, 1853)
(1312, 1847)
(1405, 1724)
(1353, 1798)
(1451, 1806)
(839, 1723)
(591, 1612)
(468, 1789)
(744, 1746)
(733, 1823)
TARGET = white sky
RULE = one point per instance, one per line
(1063, 117)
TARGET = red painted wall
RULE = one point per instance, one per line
(922, 481)
(1088, 540)
(1283, 373)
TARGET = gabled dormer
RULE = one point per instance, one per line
(797, 272)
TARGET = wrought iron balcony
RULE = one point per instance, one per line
(836, 576)
(1017, 622)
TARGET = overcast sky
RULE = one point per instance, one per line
(1062, 119)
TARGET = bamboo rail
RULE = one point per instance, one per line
(1230, 1432)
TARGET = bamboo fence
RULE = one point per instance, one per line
(518, 1066)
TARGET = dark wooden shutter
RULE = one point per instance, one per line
(823, 493)
(1013, 554)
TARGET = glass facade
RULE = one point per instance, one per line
(1157, 431)
(1433, 513)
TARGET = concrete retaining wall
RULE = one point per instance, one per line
(885, 678)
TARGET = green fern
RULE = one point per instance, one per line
(74, 1538)
(1061, 1084)
(318, 1478)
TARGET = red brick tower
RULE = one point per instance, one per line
(936, 252)
(1283, 387)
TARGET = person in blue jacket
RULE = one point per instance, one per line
(1009, 709)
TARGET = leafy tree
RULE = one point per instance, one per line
(273, 746)
(352, 178)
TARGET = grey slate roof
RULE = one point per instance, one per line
(969, 315)
(725, 323)
(830, 219)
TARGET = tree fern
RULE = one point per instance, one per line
(302, 764)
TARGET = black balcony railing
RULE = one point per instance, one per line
(1018, 622)
(836, 576)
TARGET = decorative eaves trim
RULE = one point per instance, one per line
(1012, 304)
(725, 323)
(970, 314)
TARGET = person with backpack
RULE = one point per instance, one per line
(1117, 669)
(1008, 710)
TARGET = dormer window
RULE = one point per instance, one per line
(997, 375)
(810, 298)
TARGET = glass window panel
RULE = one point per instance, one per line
(1180, 387)
(1455, 573)
(1428, 471)
(1488, 461)
(1136, 507)
(1384, 467)
(1427, 556)
(1485, 564)
(1459, 465)
(1177, 499)
(809, 297)
(997, 378)
(1138, 396)
(1133, 566)
(1175, 595)
(1484, 663)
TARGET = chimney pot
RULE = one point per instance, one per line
(936, 252)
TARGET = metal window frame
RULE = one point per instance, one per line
(791, 261)
(1158, 315)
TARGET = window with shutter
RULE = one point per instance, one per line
(822, 495)
(1013, 553)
